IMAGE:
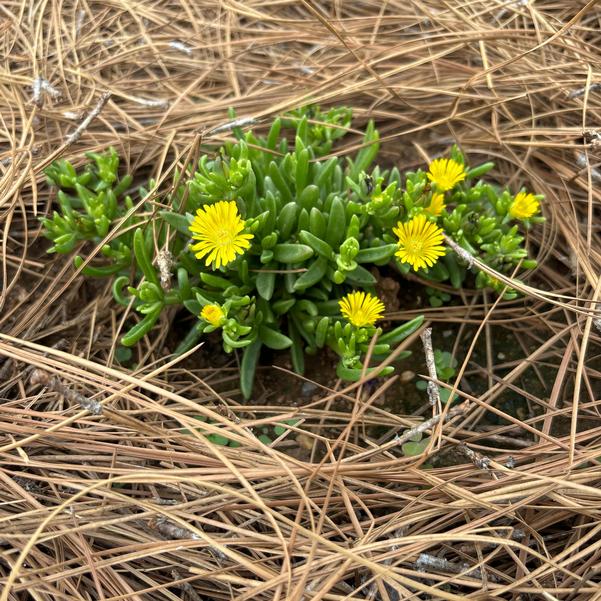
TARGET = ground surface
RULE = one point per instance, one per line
(131, 503)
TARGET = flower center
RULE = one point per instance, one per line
(359, 317)
(415, 246)
(223, 237)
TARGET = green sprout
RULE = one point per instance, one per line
(446, 366)
(266, 434)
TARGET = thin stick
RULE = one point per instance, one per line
(43, 378)
(429, 423)
(480, 461)
(433, 391)
(594, 87)
(426, 562)
(463, 254)
(232, 125)
(72, 138)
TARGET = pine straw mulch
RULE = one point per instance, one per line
(105, 497)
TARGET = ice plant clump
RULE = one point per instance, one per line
(274, 243)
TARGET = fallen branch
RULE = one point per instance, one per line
(39, 377)
(430, 423)
(463, 254)
(480, 461)
(72, 138)
(433, 391)
(170, 530)
(426, 562)
(594, 87)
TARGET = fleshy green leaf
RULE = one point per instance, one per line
(292, 253)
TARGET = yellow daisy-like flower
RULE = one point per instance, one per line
(361, 308)
(420, 242)
(437, 205)
(213, 314)
(524, 206)
(219, 227)
(446, 173)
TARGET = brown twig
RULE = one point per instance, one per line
(594, 87)
(482, 462)
(433, 391)
(40, 377)
(74, 136)
(430, 423)
(463, 254)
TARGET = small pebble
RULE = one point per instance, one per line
(308, 388)
(407, 376)
(501, 356)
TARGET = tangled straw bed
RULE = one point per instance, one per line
(105, 496)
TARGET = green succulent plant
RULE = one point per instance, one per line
(273, 243)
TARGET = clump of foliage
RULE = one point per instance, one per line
(272, 243)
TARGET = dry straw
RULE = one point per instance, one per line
(121, 503)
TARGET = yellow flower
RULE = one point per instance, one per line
(218, 227)
(361, 308)
(445, 173)
(420, 242)
(524, 206)
(213, 314)
(436, 206)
